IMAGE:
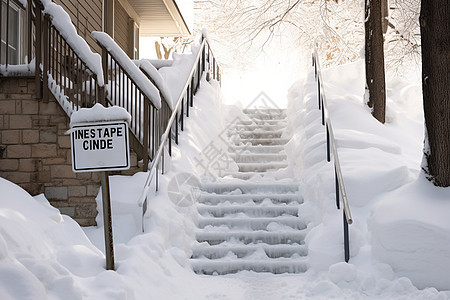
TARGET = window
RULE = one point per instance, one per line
(14, 33)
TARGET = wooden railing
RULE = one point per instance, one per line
(65, 72)
(122, 89)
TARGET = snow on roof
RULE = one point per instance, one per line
(139, 78)
(145, 65)
(99, 113)
(61, 20)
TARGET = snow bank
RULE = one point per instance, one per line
(410, 230)
(177, 74)
(19, 70)
(61, 20)
(145, 65)
(127, 64)
(380, 165)
(42, 253)
(99, 113)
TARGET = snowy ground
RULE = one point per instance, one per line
(399, 217)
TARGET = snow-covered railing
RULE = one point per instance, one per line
(331, 144)
(70, 70)
(128, 87)
(202, 63)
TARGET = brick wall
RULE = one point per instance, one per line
(35, 152)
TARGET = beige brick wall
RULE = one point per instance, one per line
(35, 152)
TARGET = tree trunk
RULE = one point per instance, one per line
(375, 78)
(434, 29)
(384, 15)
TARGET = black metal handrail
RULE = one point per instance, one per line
(181, 109)
(331, 144)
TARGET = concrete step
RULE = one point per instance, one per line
(248, 210)
(218, 267)
(271, 251)
(249, 223)
(247, 237)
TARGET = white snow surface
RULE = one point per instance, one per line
(133, 71)
(19, 70)
(159, 81)
(61, 20)
(177, 74)
(400, 230)
(99, 113)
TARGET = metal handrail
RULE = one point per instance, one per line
(198, 68)
(331, 143)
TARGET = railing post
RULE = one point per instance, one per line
(328, 144)
(182, 115)
(146, 133)
(170, 141)
(318, 92)
(38, 47)
(192, 89)
(336, 185)
(346, 238)
(188, 99)
(176, 129)
(102, 95)
(323, 111)
(45, 68)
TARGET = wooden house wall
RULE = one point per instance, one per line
(86, 15)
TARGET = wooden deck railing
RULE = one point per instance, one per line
(68, 74)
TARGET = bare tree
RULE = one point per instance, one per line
(374, 60)
(435, 28)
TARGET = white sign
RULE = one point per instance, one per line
(100, 146)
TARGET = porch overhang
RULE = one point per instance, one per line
(159, 18)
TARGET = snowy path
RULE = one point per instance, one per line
(252, 225)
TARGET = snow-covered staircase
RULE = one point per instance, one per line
(252, 225)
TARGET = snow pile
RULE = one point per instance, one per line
(381, 170)
(410, 230)
(19, 70)
(42, 253)
(61, 20)
(156, 77)
(177, 74)
(99, 113)
(127, 64)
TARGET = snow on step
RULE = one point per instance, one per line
(248, 210)
(258, 157)
(222, 267)
(261, 167)
(246, 134)
(271, 251)
(234, 188)
(246, 149)
(247, 237)
(252, 225)
(261, 141)
(257, 198)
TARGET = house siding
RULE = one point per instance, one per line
(122, 29)
(86, 15)
(35, 151)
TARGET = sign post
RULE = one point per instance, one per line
(107, 222)
(101, 146)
